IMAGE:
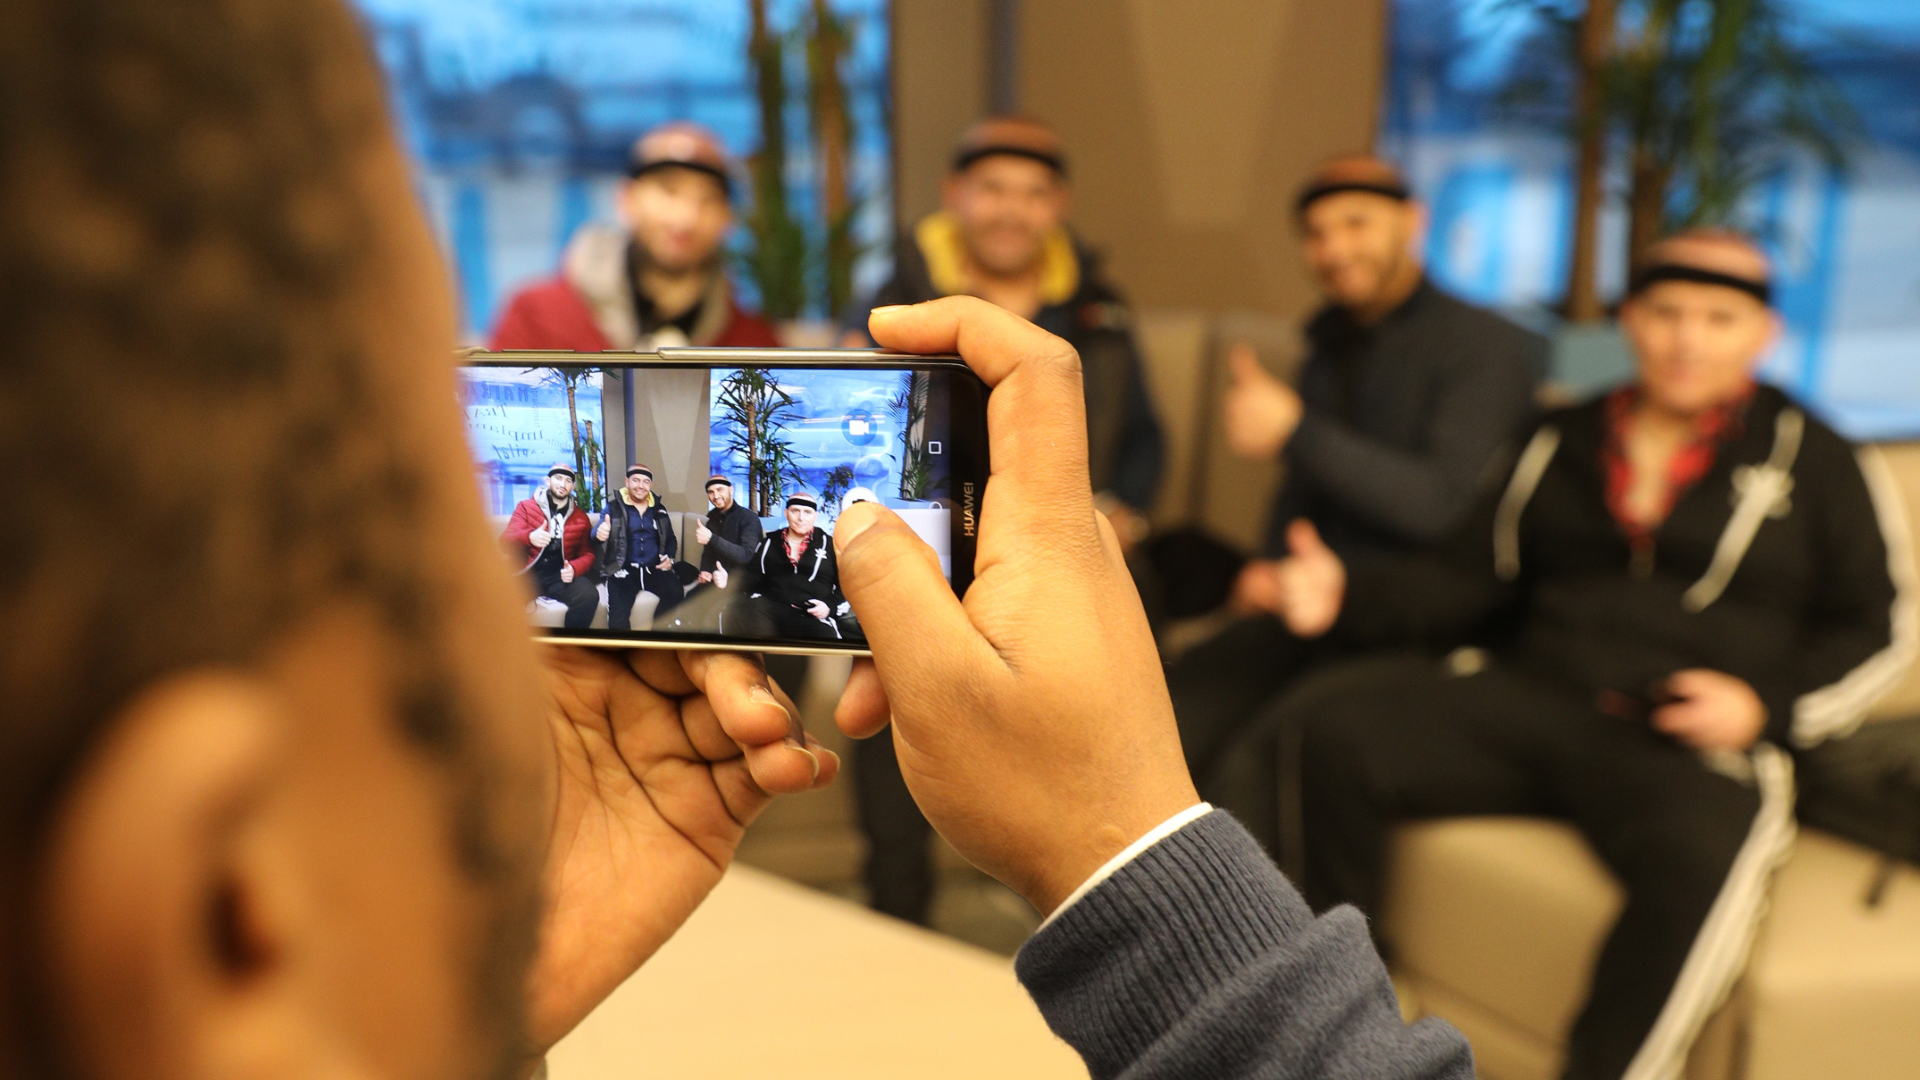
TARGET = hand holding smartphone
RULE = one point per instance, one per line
(687, 497)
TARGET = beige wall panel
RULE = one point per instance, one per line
(939, 87)
(1209, 58)
(670, 435)
(1191, 122)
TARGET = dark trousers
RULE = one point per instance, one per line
(623, 591)
(699, 611)
(765, 617)
(1221, 688)
(1409, 740)
(899, 867)
(580, 595)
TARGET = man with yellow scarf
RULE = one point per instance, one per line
(1001, 234)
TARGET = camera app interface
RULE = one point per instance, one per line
(700, 501)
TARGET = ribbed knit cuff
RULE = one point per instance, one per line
(1131, 958)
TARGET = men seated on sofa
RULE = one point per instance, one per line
(1001, 234)
(1407, 397)
(638, 547)
(549, 534)
(344, 819)
(660, 279)
(791, 585)
(1685, 576)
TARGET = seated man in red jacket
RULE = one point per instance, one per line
(549, 532)
(659, 281)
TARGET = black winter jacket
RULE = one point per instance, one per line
(1405, 422)
(1808, 612)
(655, 517)
(736, 534)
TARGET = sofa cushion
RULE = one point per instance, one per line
(1494, 924)
(1903, 460)
(1505, 912)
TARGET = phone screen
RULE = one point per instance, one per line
(681, 503)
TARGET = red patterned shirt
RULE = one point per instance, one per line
(1712, 429)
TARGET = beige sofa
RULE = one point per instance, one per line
(1496, 922)
(551, 613)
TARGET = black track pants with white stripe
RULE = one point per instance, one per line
(1692, 847)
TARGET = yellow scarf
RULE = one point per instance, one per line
(938, 235)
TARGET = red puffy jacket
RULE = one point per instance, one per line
(531, 515)
(588, 307)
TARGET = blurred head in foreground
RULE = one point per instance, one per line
(1700, 319)
(678, 196)
(1008, 192)
(1362, 231)
(263, 811)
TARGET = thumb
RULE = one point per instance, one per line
(1303, 539)
(920, 635)
(1244, 364)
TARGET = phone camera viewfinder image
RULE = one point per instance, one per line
(680, 504)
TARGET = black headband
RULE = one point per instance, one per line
(637, 169)
(965, 158)
(802, 500)
(1653, 275)
(1392, 190)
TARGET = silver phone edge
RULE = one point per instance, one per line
(702, 646)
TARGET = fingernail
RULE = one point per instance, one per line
(885, 309)
(854, 520)
(812, 761)
(760, 695)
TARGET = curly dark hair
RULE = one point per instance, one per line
(187, 398)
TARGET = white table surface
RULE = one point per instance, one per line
(770, 979)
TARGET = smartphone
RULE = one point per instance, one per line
(687, 497)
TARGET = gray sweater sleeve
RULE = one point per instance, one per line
(1199, 959)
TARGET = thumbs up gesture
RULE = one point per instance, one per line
(605, 530)
(1311, 582)
(539, 537)
(1260, 412)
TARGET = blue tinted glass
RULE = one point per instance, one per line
(520, 114)
(1478, 107)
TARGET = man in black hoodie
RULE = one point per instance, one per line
(1683, 576)
(1001, 234)
(1407, 400)
(728, 538)
(791, 587)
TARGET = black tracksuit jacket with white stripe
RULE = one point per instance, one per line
(1815, 613)
(816, 577)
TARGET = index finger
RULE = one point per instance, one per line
(743, 700)
(1036, 417)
